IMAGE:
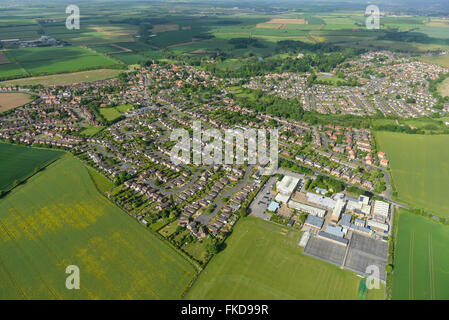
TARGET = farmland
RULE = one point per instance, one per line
(19, 162)
(421, 260)
(10, 101)
(58, 218)
(419, 169)
(443, 88)
(442, 60)
(264, 261)
(49, 60)
(65, 78)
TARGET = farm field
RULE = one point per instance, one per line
(50, 60)
(58, 218)
(443, 88)
(19, 162)
(442, 60)
(263, 260)
(12, 100)
(421, 260)
(66, 78)
(419, 169)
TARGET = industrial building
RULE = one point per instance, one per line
(314, 222)
(306, 208)
(381, 211)
(285, 188)
(336, 213)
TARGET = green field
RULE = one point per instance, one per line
(421, 262)
(66, 78)
(58, 218)
(442, 60)
(19, 162)
(261, 261)
(420, 169)
(50, 60)
(113, 113)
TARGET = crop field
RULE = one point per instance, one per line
(129, 57)
(419, 169)
(11, 100)
(19, 162)
(57, 219)
(443, 88)
(66, 78)
(421, 262)
(442, 60)
(263, 260)
(50, 60)
(11, 70)
(3, 59)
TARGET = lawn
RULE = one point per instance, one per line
(419, 169)
(57, 219)
(19, 162)
(421, 262)
(261, 261)
(90, 131)
(110, 114)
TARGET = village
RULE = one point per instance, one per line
(187, 203)
(390, 83)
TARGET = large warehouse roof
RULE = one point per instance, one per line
(320, 200)
(381, 208)
(315, 221)
(306, 208)
(287, 185)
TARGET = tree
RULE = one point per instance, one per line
(389, 268)
(212, 248)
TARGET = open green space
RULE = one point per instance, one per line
(112, 113)
(17, 163)
(57, 219)
(419, 169)
(263, 260)
(421, 268)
